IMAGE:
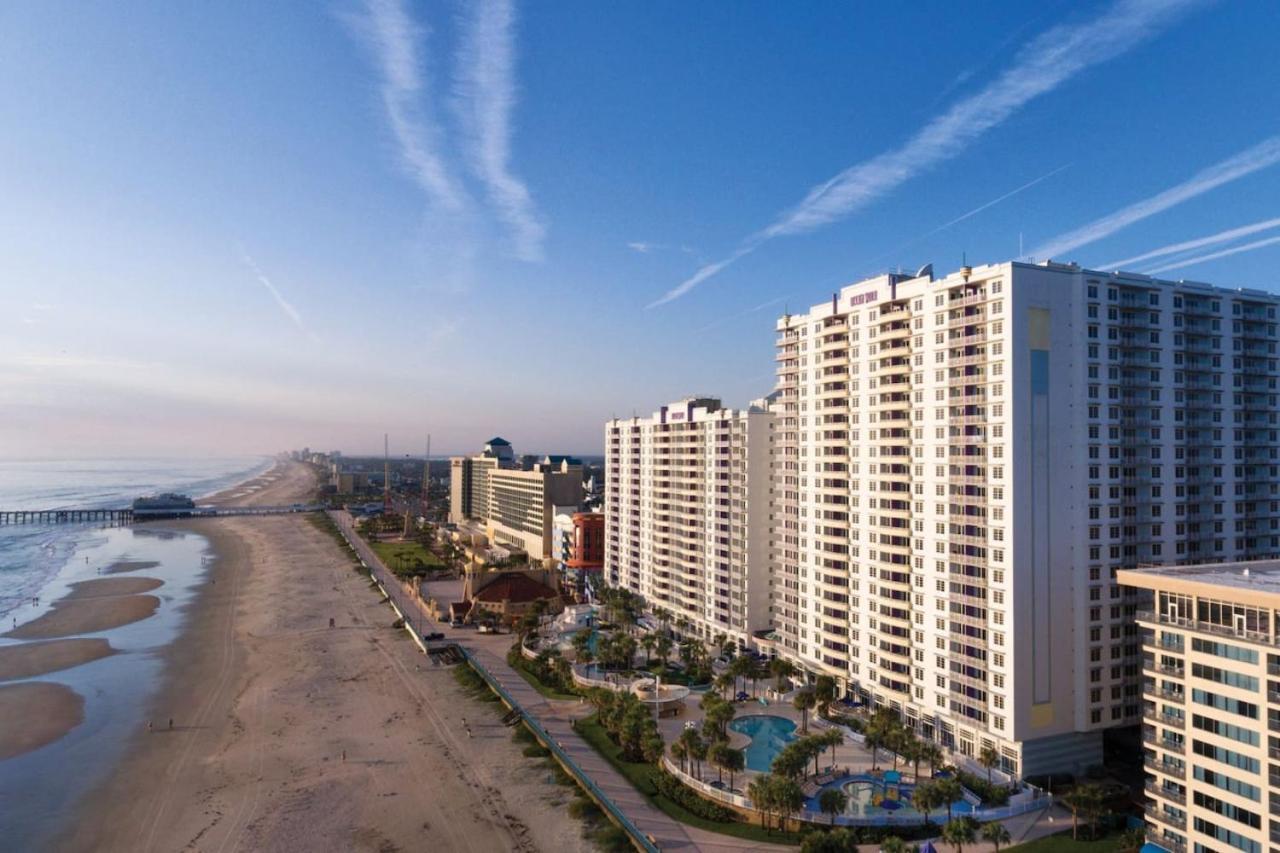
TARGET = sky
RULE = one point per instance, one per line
(244, 227)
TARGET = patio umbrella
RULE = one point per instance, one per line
(928, 847)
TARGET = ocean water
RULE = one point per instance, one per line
(31, 555)
(39, 791)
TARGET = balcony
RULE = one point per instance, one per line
(1167, 768)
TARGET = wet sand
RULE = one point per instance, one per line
(291, 735)
(129, 566)
(36, 713)
(27, 660)
(92, 606)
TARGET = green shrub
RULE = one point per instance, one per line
(990, 793)
(611, 839)
(584, 809)
(673, 789)
(535, 750)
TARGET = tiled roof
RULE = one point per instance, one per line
(518, 589)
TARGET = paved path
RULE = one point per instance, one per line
(555, 717)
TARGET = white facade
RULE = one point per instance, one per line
(686, 514)
(960, 466)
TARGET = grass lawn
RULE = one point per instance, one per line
(406, 554)
(1062, 843)
(640, 775)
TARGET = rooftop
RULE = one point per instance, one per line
(1255, 576)
(518, 589)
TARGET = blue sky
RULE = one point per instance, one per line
(239, 227)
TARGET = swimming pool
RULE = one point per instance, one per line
(768, 733)
(873, 797)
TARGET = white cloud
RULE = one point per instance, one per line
(1198, 243)
(1048, 61)
(1265, 153)
(486, 93)
(1235, 250)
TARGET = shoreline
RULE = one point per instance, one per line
(290, 734)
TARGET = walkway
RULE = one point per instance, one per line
(555, 717)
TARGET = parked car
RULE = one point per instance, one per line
(434, 635)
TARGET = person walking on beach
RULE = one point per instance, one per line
(150, 727)
(171, 724)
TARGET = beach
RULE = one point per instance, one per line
(292, 735)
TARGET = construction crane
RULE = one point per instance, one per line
(386, 476)
(426, 478)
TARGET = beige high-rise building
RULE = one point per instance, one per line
(961, 464)
(686, 514)
(514, 506)
(1211, 691)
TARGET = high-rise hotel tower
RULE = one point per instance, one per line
(960, 466)
(687, 514)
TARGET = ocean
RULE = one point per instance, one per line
(39, 790)
(32, 555)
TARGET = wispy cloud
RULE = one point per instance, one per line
(394, 36)
(1260, 156)
(284, 304)
(642, 247)
(757, 309)
(486, 93)
(1048, 61)
(1235, 250)
(1199, 243)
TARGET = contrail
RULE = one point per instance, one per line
(1048, 61)
(485, 88)
(1028, 185)
(1174, 248)
(1247, 247)
(285, 305)
(1260, 156)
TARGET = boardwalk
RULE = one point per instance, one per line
(555, 717)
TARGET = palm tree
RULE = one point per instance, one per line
(804, 702)
(781, 669)
(734, 760)
(959, 833)
(831, 739)
(760, 792)
(1082, 800)
(996, 834)
(716, 755)
(699, 752)
(679, 752)
(932, 753)
(663, 648)
(724, 681)
(648, 641)
(833, 801)
(824, 690)
(925, 798)
(893, 844)
(949, 790)
(988, 758)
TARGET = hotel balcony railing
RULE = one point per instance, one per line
(1164, 743)
(1159, 814)
(1165, 793)
(1171, 844)
(1167, 768)
(1206, 627)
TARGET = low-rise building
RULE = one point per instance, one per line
(1211, 697)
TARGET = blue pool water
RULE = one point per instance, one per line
(872, 797)
(768, 733)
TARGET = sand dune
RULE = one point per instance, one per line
(26, 660)
(36, 713)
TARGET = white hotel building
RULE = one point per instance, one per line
(687, 514)
(960, 466)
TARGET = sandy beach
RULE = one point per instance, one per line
(291, 735)
(36, 713)
(32, 659)
(129, 566)
(91, 606)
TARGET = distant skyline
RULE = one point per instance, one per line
(242, 228)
